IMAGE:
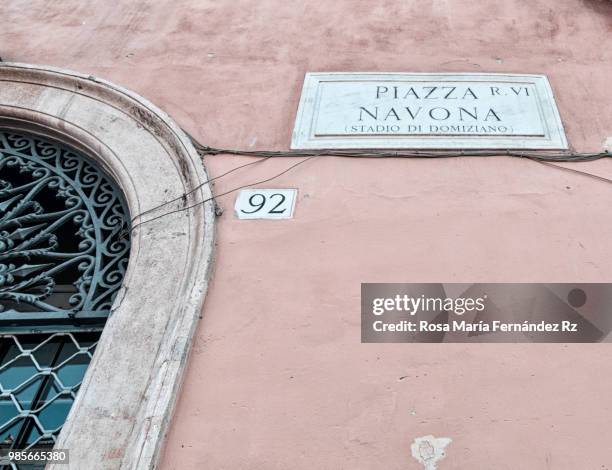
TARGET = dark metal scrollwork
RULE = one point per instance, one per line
(62, 256)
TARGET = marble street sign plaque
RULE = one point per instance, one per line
(441, 111)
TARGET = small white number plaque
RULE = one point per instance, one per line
(265, 203)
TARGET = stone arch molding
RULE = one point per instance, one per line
(126, 400)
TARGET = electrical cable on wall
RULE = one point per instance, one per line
(544, 157)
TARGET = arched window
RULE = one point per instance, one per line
(125, 401)
(63, 254)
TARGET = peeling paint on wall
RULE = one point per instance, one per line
(429, 450)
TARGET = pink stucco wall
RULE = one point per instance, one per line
(278, 378)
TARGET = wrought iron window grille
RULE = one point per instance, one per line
(63, 256)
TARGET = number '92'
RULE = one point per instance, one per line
(265, 203)
(262, 202)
